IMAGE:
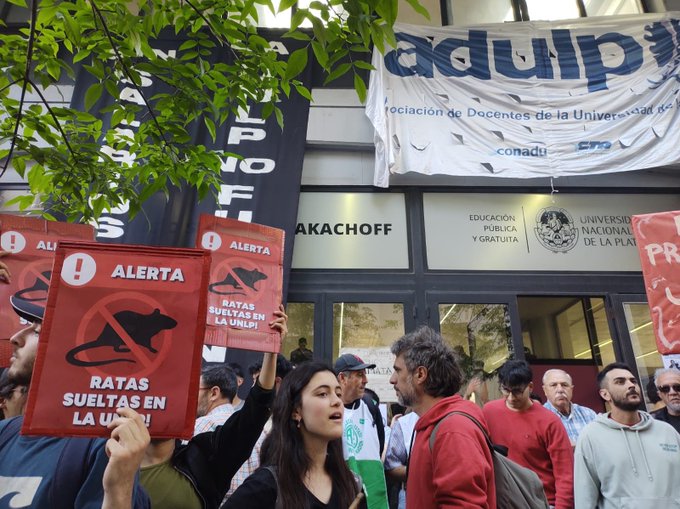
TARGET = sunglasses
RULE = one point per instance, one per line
(667, 388)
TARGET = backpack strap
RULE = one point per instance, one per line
(477, 423)
(272, 470)
(71, 472)
(10, 430)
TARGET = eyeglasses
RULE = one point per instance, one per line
(667, 388)
(516, 392)
(204, 388)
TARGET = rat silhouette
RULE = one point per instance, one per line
(40, 287)
(247, 277)
(140, 327)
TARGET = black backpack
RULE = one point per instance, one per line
(516, 487)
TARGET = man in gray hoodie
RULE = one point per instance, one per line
(626, 459)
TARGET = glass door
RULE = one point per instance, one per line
(634, 325)
(366, 325)
(480, 330)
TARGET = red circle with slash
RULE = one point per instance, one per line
(101, 315)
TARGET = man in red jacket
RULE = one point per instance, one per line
(534, 436)
(455, 469)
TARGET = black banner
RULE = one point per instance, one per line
(263, 187)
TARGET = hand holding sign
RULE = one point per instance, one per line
(125, 449)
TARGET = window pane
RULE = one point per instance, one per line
(566, 328)
(368, 330)
(604, 343)
(611, 7)
(647, 357)
(300, 325)
(480, 335)
(474, 12)
(552, 10)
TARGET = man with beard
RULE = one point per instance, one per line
(216, 391)
(668, 387)
(455, 468)
(626, 458)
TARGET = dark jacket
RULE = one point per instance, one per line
(663, 415)
(211, 459)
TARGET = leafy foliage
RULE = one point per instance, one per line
(59, 149)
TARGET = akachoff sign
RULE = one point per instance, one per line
(534, 99)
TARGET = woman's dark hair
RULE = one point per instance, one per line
(285, 450)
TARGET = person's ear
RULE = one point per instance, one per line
(215, 392)
(604, 394)
(297, 415)
(531, 386)
(420, 375)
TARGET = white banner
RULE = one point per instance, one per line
(532, 99)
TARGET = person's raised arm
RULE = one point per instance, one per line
(267, 376)
(125, 449)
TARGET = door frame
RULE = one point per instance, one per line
(435, 297)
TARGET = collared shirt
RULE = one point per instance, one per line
(216, 417)
(574, 423)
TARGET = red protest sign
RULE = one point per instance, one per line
(246, 281)
(123, 327)
(658, 241)
(31, 243)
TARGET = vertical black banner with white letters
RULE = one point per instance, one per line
(263, 187)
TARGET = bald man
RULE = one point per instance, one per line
(559, 390)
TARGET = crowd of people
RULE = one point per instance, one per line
(311, 436)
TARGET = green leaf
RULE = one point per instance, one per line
(297, 35)
(363, 65)
(304, 92)
(297, 61)
(211, 127)
(337, 72)
(94, 92)
(81, 55)
(286, 4)
(279, 116)
(320, 54)
(360, 87)
(19, 164)
(418, 7)
(20, 3)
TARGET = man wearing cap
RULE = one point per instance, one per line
(39, 471)
(363, 436)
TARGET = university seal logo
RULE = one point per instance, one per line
(555, 229)
(354, 439)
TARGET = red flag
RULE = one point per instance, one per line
(658, 240)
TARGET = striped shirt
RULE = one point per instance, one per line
(216, 417)
(574, 423)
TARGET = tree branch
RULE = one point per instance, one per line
(27, 71)
(56, 121)
(127, 72)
